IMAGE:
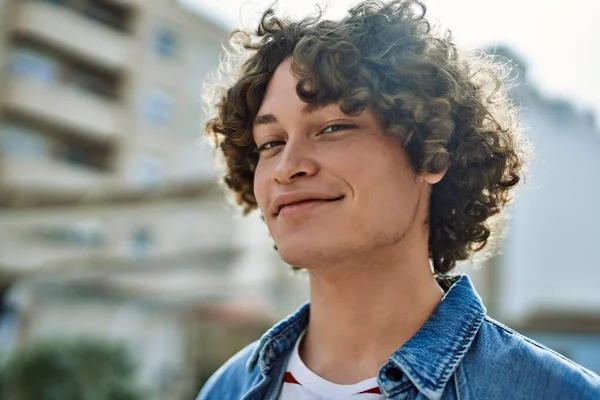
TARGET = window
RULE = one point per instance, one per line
(142, 241)
(157, 107)
(165, 42)
(91, 82)
(84, 233)
(34, 65)
(75, 157)
(19, 142)
(82, 155)
(147, 171)
(110, 13)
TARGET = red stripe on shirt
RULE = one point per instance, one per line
(375, 390)
(289, 378)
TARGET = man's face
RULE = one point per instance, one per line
(330, 185)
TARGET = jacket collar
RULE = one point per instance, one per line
(432, 355)
(279, 340)
(429, 358)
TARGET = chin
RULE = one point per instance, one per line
(309, 253)
(297, 251)
(294, 255)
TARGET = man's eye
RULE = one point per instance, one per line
(270, 145)
(337, 127)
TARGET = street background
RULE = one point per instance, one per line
(123, 269)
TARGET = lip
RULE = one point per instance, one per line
(297, 201)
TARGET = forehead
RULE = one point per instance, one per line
(281, 102)
(281, 91)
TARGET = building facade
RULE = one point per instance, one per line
(113, 224)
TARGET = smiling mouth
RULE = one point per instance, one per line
(305, 205)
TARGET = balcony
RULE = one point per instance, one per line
(73, 33)
(31, 245)
(103, 239)
(52, 176)
(65, 107)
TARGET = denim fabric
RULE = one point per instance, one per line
(458, 354)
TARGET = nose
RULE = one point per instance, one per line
(297, 160)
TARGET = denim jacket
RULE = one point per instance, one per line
(458, 354)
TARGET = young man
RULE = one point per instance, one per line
(377, 155)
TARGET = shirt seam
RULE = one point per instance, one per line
(457, 387)
(458, 349)
(401, 388)
(277, 334)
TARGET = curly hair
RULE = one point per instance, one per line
(446, 109)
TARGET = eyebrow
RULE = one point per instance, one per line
(264, 119)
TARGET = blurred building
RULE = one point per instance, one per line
(112, 222)
(113, 225)
(544, 283)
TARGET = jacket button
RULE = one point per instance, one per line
(394, 374)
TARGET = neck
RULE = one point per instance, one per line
(364, 310)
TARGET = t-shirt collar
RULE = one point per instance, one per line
(428, 359)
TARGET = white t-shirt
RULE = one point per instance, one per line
(300, 383)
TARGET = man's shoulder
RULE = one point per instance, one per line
(513, 358)
(233, 378)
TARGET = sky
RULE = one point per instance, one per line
(560, 41)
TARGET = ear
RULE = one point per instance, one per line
(432, 179)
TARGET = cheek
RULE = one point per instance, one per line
(387, 211)
(386, 192)
(261, 190)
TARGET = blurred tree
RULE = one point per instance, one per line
(75, 370)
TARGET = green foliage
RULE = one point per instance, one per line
(75, 370)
